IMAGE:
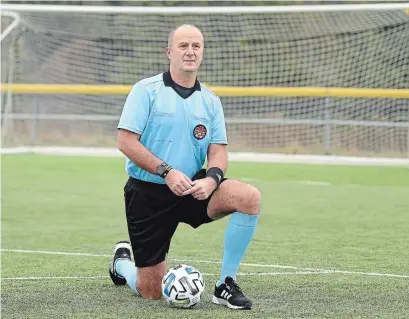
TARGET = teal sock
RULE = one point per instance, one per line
(238, 235)
(127, 269)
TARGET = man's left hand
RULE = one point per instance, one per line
(202, 188)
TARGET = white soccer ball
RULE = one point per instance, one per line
(182, 286)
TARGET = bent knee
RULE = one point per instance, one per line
(253, 200)
(150, 290)
(149, 282)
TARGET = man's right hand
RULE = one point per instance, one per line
(178, 182)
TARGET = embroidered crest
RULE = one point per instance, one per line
(200, 131)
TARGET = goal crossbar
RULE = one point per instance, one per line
(205, 10)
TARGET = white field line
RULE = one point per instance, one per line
(233, 156)
(204, 274)
(302, 268)
(51, 277)
(298, 269)
(280, 273)
(53, 253)
(312, 183)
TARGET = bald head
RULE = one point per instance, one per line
(185, 50)
(184, 27)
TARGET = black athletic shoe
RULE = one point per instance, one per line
(122, 250)
(229, 294)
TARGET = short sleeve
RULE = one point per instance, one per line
(135, 112)
(219, 134)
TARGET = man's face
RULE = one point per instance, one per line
(186, 51)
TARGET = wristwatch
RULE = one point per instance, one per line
(163, 169)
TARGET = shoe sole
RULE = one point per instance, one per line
(223, 302)
(120, 281)
(125, 245)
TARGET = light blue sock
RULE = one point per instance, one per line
(127, 269)
(237, 237)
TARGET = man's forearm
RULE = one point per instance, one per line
(218, 158)
(140, 155)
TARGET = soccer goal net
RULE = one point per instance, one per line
(313, 46)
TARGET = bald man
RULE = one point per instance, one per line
(169, 124)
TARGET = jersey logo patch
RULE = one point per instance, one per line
(200, 131)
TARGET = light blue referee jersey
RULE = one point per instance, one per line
(174, 129)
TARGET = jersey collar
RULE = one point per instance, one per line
(168, 81)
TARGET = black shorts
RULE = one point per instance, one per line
(153, 213)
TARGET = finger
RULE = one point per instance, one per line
(188, 180)
(202, 197)
(199, 191)
(181, 188)
(196, 195)
(177, 191)
(186, 184)
(191, 190)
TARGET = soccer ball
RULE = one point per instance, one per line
(182, 286)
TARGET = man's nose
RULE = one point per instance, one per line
(190, 50)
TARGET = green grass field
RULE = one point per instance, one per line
(314, 218)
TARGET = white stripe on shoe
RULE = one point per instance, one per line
(223, 302)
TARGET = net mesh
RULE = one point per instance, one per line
(318, 49)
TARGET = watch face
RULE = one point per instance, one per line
(160, 169)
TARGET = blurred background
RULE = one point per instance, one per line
(342, 49)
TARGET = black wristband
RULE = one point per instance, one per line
(215, 173)
(163, 169)
(168, 169)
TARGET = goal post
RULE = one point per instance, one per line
(318, 75)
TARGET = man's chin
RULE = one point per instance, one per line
(190, 69)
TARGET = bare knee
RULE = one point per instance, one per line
(252, 201)
(234, 196)
(150, 280)
(149, 290)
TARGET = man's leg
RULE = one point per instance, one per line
(151, 224)
(150, 280)
(122, 269)
(244, 201)
(144, 281)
